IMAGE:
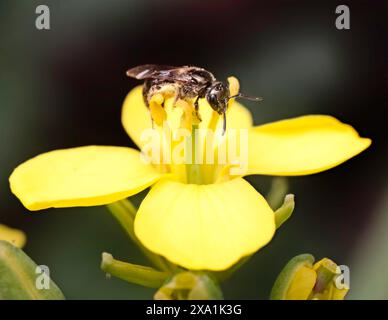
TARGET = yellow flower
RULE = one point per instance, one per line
(14, 236)
(301, 279)
(197, 216)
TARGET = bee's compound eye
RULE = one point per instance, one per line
(212, 98)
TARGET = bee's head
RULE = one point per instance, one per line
(218, 95)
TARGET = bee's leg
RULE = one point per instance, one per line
(152, 122)
(196, 104)
(146, 92)
(224, 124)
(177, 96)
(147, 103)
(196, 108)
(152, 119)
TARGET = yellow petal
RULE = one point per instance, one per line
(302, 284)
(303, 145)
(136, 116)
(327, 263)
(14, 236)
(85, 176)
(204, 226)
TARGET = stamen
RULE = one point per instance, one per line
(187, 115)
(234, 86)
(158, 114)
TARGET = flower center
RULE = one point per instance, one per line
(190, 143)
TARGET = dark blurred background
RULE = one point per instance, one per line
(64, 88)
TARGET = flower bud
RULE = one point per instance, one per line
(301, 279)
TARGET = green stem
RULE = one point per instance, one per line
(125, 212)
(133, 273)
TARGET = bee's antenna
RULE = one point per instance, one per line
(243, 96)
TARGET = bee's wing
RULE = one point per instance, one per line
(168, 73)
(152, 71)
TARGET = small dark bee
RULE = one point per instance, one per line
(185, 82)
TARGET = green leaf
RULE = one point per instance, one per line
(144, 276)
(20, 277)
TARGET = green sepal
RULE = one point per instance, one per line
(285, 211)
(19, 276)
